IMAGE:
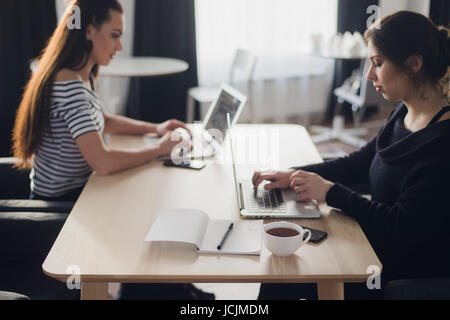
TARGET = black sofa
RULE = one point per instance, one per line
(28, 229)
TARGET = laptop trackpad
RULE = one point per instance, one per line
(293, 204)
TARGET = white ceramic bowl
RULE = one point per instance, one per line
(284, 246)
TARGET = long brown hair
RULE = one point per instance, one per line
(67, 48)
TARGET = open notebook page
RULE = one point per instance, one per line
(179, 226)
(244, 238)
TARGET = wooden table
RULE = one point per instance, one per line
(104, 235)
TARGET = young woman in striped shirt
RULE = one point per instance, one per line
(59, 125)
(60, 122)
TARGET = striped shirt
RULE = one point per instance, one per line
(58, 165)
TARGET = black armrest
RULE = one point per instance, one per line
(35, 206)
(28, 236)
(12, 296)
(15, 183)
(418, 289)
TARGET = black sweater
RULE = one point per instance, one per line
(407, 221)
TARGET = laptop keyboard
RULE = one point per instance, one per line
(266, 200)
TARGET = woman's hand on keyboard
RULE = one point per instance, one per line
(278, 179)
(308, 185)
(171, 125)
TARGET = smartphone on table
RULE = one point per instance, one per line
(316, 235)
(193, 164)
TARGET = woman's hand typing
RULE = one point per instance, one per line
(309, 186)
(279, 179)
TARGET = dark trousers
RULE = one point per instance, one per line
(308, 291)
(162, 291)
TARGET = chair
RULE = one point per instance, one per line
(242, 69)
(28, 229)
(367, 96)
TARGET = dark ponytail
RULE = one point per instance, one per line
(444, 83)
(442, 61)
(444, 33)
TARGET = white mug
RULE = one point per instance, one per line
(285, 245)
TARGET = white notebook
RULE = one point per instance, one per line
(195, 227)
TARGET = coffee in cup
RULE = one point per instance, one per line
(283, 232)
(284, 238)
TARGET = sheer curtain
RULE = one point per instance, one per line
(279, 33)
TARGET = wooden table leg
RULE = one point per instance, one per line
(330, 290)
(94, 291)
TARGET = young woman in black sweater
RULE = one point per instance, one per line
(407, 221)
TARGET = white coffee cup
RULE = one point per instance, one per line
(284, 242)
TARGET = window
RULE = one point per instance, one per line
(277, 31)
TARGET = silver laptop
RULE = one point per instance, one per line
(274, 203)
(208, 136)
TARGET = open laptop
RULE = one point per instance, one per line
(208, 136)
(275, 203)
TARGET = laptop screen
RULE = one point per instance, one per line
(226, 103)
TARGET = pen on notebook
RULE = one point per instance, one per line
(225, 236)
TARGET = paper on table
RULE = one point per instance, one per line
(244, 238)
